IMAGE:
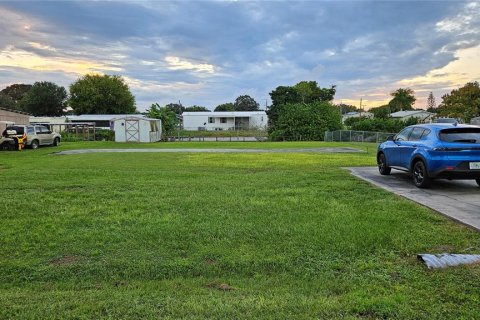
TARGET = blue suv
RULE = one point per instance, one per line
(433, 151)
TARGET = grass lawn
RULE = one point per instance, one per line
(174, 235)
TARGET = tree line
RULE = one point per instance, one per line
(462, 103)
(302, 111)
(93, 94)
(90, 94)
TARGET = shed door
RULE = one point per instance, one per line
(132, 130)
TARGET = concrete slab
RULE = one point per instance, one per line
(456, 199)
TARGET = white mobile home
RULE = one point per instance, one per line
(225, 120)
(137, 129)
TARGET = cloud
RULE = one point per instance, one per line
(16, 58)
(208, 53)
(40, 46)
(176, 63)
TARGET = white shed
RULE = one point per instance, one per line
(137, 129)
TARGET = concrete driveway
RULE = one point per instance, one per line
(456, 199)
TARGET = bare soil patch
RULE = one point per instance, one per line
(65, 260)
(219, 286)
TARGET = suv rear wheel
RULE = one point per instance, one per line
(34, 145)
(56, 142)
(478, 182)
(420, 175)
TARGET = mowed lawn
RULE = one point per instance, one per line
(195, 236)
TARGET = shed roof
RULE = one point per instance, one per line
(15, 111)
(135, 117)
(101, 117)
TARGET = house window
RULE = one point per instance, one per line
(211, 120)
(223, 120)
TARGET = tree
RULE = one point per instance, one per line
(302, 92)
(309, 91)
(44, 99)
(101, 94)
(403, 99)
(225, 107)
(382, 112)
(16, 91)
(346, 108)
(177, 108)
(7, 102)
(196, 109)
(284, 95)
(168, 117)
(246, 103)
(463, 103)
(303, 121)
(431, 105)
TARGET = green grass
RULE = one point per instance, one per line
(270, 236)
(367, 147)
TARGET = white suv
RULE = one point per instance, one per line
(37, 135)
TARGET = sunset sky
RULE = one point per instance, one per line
(209, 52)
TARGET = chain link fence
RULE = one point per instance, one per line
(356, 136)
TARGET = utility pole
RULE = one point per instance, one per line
(361, 107)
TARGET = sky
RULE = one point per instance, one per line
(210, 52)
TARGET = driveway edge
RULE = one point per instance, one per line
(466, 214)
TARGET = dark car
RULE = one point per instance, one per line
(433, 151)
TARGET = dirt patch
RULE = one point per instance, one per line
(219, 286)
(210, 261)
(65, 260)
(443, 248)
(120, 283)
(368, 315)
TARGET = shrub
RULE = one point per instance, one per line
(305, 121)
(104, 135)
(350, 121)
(71, 137)
(382, 125)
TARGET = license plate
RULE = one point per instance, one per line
(474, 165)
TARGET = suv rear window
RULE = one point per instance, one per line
(464, 135)
(20, 130)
